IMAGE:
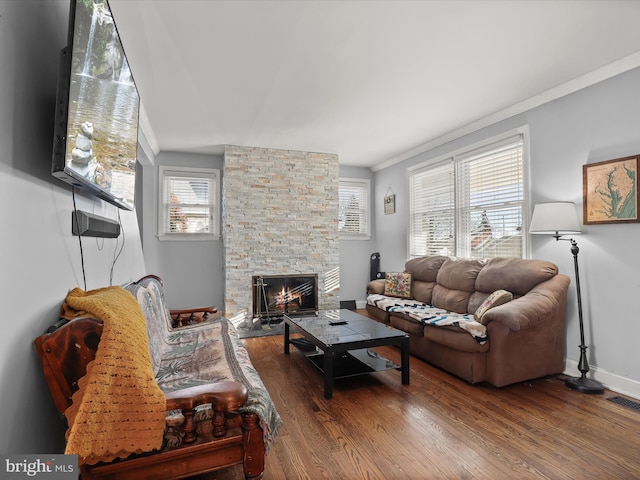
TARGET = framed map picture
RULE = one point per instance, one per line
(610, 191)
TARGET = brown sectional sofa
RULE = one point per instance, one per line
(525, 337)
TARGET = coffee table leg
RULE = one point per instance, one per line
(286, 337)
(328, 375)
(405, 362)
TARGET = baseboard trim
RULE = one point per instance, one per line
(612, 381)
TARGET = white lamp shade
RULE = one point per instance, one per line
(555, 218)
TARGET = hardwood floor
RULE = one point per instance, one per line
(438, 427)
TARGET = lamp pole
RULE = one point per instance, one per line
(559, 218)
(582, 383)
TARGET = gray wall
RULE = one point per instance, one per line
(597, 123)
(40, 259)
(192, 271)
(355, 254)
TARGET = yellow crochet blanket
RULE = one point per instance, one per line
(119, 408)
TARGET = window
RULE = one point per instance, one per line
(470, 204)
(353, 210)
(189, 206)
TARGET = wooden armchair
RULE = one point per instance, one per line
(231, 438)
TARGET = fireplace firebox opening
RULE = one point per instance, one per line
(275, 295)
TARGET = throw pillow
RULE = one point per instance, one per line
(398, 284)
(498, 297)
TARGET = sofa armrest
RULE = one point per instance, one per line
(540, 303)
(65, 352)
(224, 396)
(376, 286)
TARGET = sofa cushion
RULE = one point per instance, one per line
(211, 352)
(515, 275)
(425, 269)
(386, 303)
(456, 282)
(398, 284)
(410, 316)
(499, 297)
(423, 291)
(406, 324)
(455, 338)
(442, 319)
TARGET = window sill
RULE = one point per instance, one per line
(355, 237)
(188, 237)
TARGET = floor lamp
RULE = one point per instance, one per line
(558, 219)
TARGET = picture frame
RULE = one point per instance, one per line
(610, 191)
(389, 204)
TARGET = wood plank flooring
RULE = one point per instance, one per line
(438, 427)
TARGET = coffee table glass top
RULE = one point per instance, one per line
(327, 327)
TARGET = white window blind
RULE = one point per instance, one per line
(473, 205)
(491, 185)
(432, 223)
(353, 210)
(188, 202)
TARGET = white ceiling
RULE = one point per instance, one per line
(372, 81)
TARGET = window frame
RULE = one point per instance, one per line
(211, 175)
(455, 158)
(365, 185)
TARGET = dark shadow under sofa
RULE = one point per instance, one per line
(524, 338)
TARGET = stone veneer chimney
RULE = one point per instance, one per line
(279, 216)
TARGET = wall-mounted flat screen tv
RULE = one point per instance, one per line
(97, 105)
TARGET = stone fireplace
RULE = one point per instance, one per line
(280, 217)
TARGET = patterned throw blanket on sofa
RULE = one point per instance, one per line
(430, 315)
(200, 354)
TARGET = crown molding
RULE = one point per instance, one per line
(595, 76)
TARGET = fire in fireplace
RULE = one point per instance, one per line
(275, 295)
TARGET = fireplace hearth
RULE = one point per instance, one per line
(275, 295)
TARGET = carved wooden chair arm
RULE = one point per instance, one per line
(185, 316)
(224, 397)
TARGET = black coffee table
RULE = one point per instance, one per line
(338, 342)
